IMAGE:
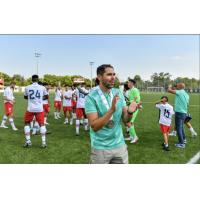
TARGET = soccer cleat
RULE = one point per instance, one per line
(56, 118)
(173, 133)
(163, 144)
(27, 144)
(194, 134)
(15, 129)
(44, 145)
(166, 148)
(181, 146)
(134, 140)
(3, 126)
(46, 123)
(65, 122)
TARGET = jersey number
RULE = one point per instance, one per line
(166, 113)
(81, 95)
(34, 94)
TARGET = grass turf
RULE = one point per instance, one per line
(65, 147)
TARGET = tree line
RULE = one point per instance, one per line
(161, 79)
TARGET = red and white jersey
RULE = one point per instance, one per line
(68, 94)
(81, 97)
(58, 95)
(46, 101)
(8, 93)
(35, 94)
(166, 113)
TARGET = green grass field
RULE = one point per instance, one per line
(65, 147)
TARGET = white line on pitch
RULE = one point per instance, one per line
(194, 159)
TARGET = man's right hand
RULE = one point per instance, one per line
(114, 103)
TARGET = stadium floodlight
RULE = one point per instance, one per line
(37, 55)
(91, 64)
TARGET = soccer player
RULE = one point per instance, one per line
(9, 101)
(57, 103)
(166, 113)
(105, 108)
(67, 105)
(74, 101)
(46, 104)
(81, 93)
(133, 95)
(35, 94)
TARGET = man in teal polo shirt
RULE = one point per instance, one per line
(181, 110)
(105, 107)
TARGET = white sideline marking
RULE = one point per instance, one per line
(194, 159)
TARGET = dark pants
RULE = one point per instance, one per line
(179, 123)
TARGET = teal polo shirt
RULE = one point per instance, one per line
(106, 138)
(181, 101)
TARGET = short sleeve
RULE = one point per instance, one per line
(90, 105)
(158, 105)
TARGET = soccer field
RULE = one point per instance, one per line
(65, 147)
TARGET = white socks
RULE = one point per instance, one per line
(43, 134)
(77, 126)
(27, 134)
(12, 123)
(71, 121)
(86, 124)
(4, 120)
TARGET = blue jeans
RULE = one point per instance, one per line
(179, 123)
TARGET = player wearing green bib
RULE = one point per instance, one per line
(133, 96)
(105, 108)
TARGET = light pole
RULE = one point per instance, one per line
(37, 55)
(91, 64)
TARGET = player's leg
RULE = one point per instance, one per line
(55, 109)
(40, 119)
(5, 117)
(78, 118)
(65, 115)
(28, 117)
(174, 132)
(85, 120)
(189, 126)
(59, 109)
(46, 112)
(10, 116)
(70, 116)
(36, 127)
(132, 131)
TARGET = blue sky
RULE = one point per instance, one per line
(129, 54)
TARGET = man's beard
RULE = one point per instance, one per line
(107, 85)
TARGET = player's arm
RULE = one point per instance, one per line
(83, 91)
(171, 90)
(97, 122)
(128, 111)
